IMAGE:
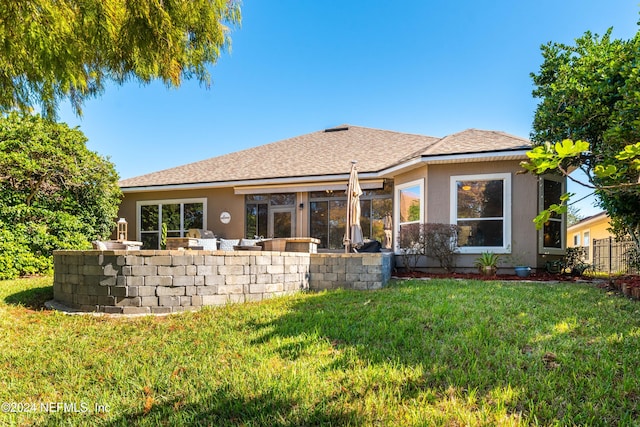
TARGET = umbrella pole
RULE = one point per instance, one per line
(347, 234)
(347, 239)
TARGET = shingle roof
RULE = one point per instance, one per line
(326, 152)
(476, 141)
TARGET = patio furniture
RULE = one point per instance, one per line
(247, 248)
(180, 242)
(291, 244)
(114, 245)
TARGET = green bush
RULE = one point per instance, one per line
(16, 258)
(27, 241)
(56, 194)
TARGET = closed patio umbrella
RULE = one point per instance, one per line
(353, 236)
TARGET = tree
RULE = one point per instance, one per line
(55, 193)
(67, 49)
(573, 215)
(590, 108)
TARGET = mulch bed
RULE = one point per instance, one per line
(540, 277)
(627, 285)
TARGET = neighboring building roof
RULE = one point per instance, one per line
(590, 219)
(326, 153)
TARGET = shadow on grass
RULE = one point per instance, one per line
(223, 408)
(476, 338)
(33, 298)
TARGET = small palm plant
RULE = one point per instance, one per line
(487, 263)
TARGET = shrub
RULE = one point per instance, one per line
(574, 261)
(28, 240)
(441, 243)
(16, 257)
(56, 194)
(411, 245)
(437, 241)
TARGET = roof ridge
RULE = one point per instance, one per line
(442, 141)
(321, 153)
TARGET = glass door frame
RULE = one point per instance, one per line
(282, 209)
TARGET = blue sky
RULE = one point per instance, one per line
(298, 66)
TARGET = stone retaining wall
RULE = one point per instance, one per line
(147, 281)
(350, 271)
(133, 282)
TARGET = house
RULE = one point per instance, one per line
(296, 187)
(584, 232)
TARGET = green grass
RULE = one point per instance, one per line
(437, 352)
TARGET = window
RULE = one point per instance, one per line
(552, 235)
(178, 216)
(328, 215)
(409, 205)
(328, 220)
(576, 239)
(586, 239)
(481, 207)
(257, 207)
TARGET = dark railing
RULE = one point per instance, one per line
(613, 256)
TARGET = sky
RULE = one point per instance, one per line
(299, 66)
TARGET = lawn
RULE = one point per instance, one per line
(439, 352)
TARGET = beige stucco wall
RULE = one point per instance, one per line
(437, 179)
(419, 173)
(524, 203)
(218, 201)
(412, 175)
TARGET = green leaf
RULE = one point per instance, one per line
(567, 148)
(566, 196)
(629, 152)
(541, 218)
(605, 172)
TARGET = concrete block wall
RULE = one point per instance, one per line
(139, 282)
(350, 271)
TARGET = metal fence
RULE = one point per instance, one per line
(613, 256)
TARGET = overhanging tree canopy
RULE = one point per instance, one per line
(67, 49)
(590, 111)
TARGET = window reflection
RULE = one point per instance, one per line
(480, 212)
(178, 217)
(410, 204)
(552, 229)
(328, 215)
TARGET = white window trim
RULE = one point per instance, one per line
(563, 235)
(506, 211)
(141, 203)
(396, 209)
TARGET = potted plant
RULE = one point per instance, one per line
(519, 265)
(522, 270)
(487, 263)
